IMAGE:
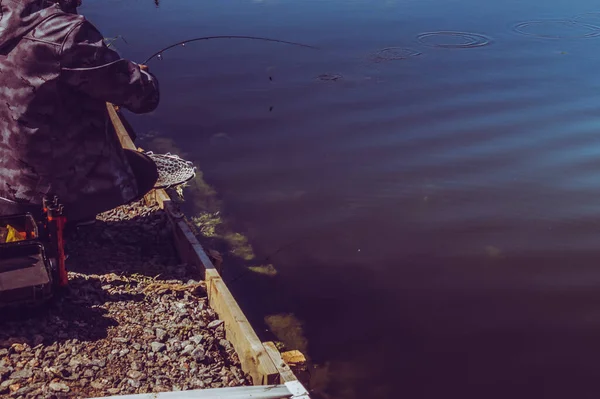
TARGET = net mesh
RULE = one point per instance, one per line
(172, 170)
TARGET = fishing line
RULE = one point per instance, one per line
(183, 43)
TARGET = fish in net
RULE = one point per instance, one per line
(172, 170)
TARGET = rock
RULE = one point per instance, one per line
(157, 346)
(188, 349)
(97, 385)
(134, 383)
(26, 390)
(122, 340)
(7, 383)
(114, 391)
(21, 374)
(59, 387)
(215, 323)
(160, 334)
(99, 362)
(197, 339)
(198, 354)
(225, 344)
(135, 375)
(149, 332)
(88, 373)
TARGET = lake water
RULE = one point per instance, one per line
(432, 210)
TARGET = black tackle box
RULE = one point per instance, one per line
(26, 271)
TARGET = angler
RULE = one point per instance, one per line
(56, 75)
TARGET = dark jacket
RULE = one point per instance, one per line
(56, 75)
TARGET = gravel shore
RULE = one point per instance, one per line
(133, 320)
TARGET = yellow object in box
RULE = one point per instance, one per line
(14, 235)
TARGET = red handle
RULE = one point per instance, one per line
(60, 221)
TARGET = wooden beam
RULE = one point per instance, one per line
(284, 370)
(120, 129)
(253, 356)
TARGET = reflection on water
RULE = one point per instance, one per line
(415, 205)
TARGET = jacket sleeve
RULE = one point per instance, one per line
(89, 66)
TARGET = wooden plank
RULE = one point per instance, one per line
(284, 370)
(124, 138)
(253, 356)
(161, 197)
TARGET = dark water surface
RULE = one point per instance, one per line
(435, 219)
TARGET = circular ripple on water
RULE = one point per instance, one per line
(394, 53)
(571, 29)
(440, 39)
(591, 18)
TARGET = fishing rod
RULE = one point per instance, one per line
(158, 54)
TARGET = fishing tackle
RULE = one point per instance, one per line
(158, 54)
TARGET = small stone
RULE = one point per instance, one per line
(157, 346)
(26, 390)
(3, 352)
(88, 373)
(149, 332)
(136, 346)
(123, 352)
(122, 340)
(59, 387)
(225, 344)
(98, 362)
(97, 385)
(160, 334)
(134, 383)
(215, 323)
(199, 354)
(188, 349)
(114, 391)
(197, 339)
(7, 383)
(21, 374)
(135, 375)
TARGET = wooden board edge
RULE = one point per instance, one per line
(254, 358)
(159, 196)
(284, 370)
(120, 128)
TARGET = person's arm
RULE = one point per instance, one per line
(90, 67)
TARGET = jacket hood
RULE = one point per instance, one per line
(19, 17)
